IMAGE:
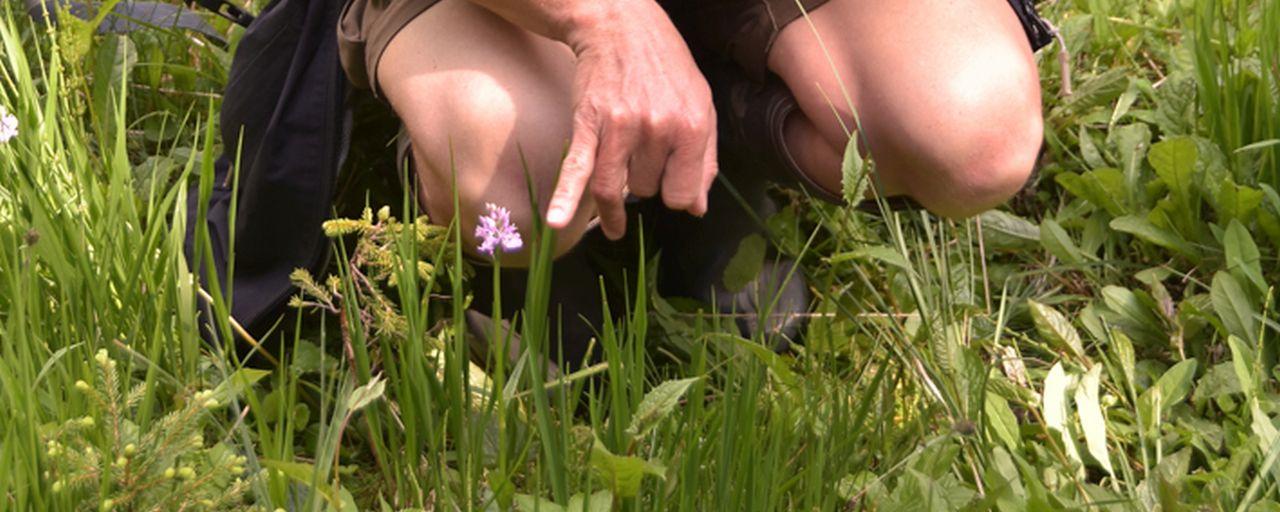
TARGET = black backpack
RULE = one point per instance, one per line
(285, 118)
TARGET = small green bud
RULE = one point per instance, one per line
(130, 450)
(102, 357)
(211, 403)
(121, 462)
(206, 503)
(53, 451)
(83, 386)
(384, 213)
(186, 473)
(236, 470)
(87, 422)
(57, 486)
(107, 504)
(169, 473)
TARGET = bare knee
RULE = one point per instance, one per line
(986, 170)
(492, 147)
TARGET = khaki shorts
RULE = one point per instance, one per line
(743, 30)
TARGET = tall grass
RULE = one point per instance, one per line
(1087, 361)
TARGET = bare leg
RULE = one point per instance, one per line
(482, 98)
(947, 93)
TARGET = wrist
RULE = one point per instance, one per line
(595, 23)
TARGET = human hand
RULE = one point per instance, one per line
(643, 120)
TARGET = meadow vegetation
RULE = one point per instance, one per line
(1107, 340)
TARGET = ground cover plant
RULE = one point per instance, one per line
(1105, 341)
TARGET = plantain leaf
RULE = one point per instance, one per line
(1243, 362)
(1056, 328)
(1174, 160)
(1059, 243)
(622, 474)
(1054, 407)
(1001, 422)
(1145, 230)
(1233, 306)
(1243, 258)
(854, 178)
(1092, 422)
(364, 395)
(656, 405)
(1005, 231)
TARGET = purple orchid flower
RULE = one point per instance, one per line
(496, 231)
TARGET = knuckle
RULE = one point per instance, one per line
(620, 115)
(696, 122)
(606, 195)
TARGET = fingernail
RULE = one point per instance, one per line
(555, 215)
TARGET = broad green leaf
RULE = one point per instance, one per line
(1092, 421)
(1174, 161)
(881, 253)
(1056, 328)
(1232, 201)
(1001, 422)
(854, 178)
(1054, 407)
(746, 263)
(366, 394)
(1169, 390)
(1088, 149)
(656, 405)
(1134, 311)
(1124, 103)
(304, 474)
(527, 503)
(1233, 306)
(1059, 243)
(1006, 231)
(600, 501)
(1099, 187)
(1131, 142)
(309, 358)
(1262, 427)
(1123, 348)
(237, 383)
(622, 474)
(1144, 230)
(1243, 259)
(1243, 362)
(777, 367)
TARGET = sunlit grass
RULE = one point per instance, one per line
(1105, 343)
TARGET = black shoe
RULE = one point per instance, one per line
(697, 251)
